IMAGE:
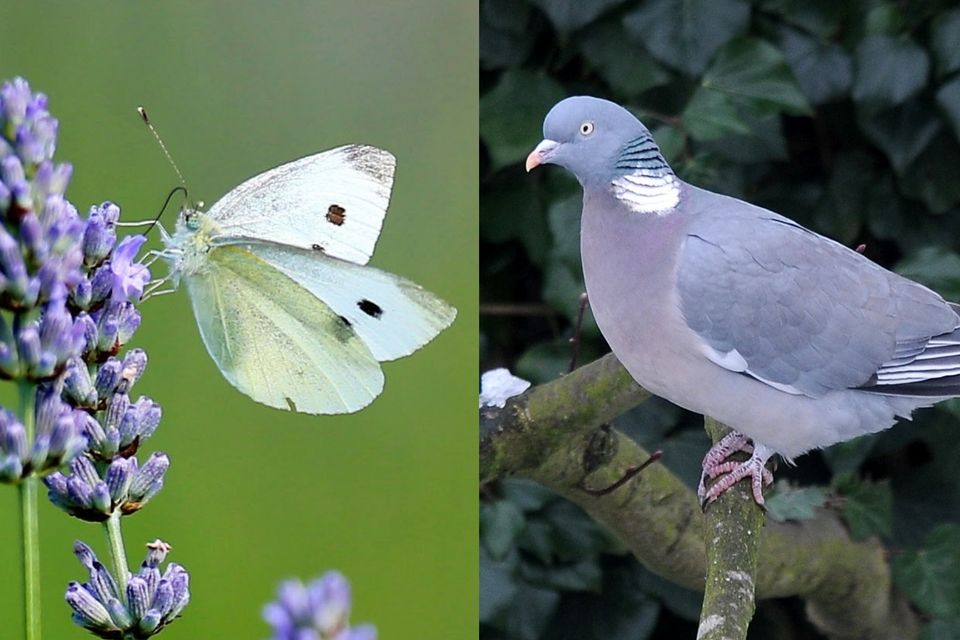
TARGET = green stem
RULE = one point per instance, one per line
(30, 527)
(118, 556)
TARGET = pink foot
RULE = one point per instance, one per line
(715, 465)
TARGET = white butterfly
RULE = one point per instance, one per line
(277, 278)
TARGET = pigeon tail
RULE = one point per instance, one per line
(928, 370)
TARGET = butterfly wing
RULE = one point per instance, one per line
(277, 342)
(392, 315)
(333, 201)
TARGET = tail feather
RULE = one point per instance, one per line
(930, 371)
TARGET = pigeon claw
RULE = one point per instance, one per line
(727, 473)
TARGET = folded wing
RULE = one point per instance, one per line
(334, 201)
(804, 314)
(277, 342)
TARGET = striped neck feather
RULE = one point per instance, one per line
(644, 181)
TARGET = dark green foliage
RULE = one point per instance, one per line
(842, 115)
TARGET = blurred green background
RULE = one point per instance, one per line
(255, 495)
(844, 116)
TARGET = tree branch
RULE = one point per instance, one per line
(733, 524)
(557, 434)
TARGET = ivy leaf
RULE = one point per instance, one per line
(948, 97)
(498, 587)
(936, 267)
(511, 210)
(821, 18)
(846, 457)
(794, 503)
(840, 213)
(944, 36)
(624, 66)
(619, 611)
(682, 601)
(567, 16)
(500, 524)
(756, 75)
(711, 115)
(670, 140)
(549, 360)
(763, 142)
(902, 132)
(505, 33)
(888, 70)
(942, 629)
(868, 507)
(511, 114)
(585, 575)
(930, 577)
(685, 34)
(824, 70)
(933, 177)
(528, 613)
(526, 494)
(564, 222)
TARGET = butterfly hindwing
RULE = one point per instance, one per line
(333, 201)
(392, 315)
(276, 341)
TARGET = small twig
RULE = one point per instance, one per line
(575, 339)
(507, 309)
(627, 476)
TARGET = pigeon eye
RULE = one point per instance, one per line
(586, 128)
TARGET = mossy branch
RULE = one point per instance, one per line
(732, 527)
(558, 435)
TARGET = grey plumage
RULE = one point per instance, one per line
(736, 312)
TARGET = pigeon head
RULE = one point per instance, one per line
(588, 137)
(606, 147)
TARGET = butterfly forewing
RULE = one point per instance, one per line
(332, 202)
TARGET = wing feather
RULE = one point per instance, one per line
(800, 312)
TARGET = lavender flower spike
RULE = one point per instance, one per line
(153, 599)
(125, 486)
(317, 611)
(129, 277)
(41, 255)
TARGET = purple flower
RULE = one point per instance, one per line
(68, 292)
(100, 234)
(152, 599)
(317, 611)
(129, 277)
(124, 486)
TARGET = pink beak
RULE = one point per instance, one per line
(539, 154)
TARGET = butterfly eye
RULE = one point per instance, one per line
(586, 128)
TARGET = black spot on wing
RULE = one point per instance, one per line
(317, 247)
(336, 215)
(372, 309)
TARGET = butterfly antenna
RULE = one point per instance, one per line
(163, 147)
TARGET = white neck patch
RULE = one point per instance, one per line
(645, 191)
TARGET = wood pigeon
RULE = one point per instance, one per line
(730, 310)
